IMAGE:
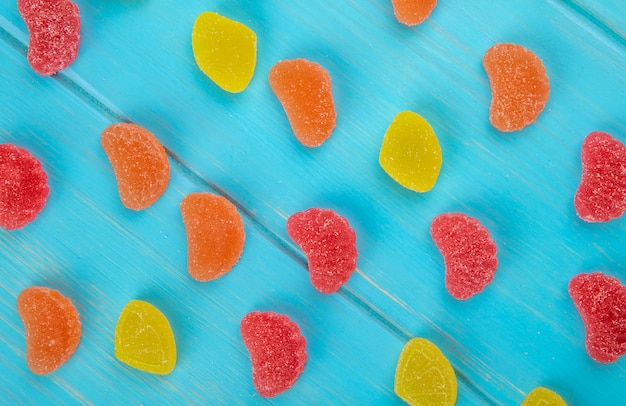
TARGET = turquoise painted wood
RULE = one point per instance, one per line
(136, 64)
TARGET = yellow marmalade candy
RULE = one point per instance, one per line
(410, 153)
(543, 397)
(144, 339)
(424, 376)
(225, 50)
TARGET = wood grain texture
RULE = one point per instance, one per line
(136, 63)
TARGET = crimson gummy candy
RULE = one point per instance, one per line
(23, 187)
(601, 195)
(601, 302)
(277, 350)
(468, 251)
(329, 244)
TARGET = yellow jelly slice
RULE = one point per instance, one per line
(225, 50)
(424, 376)
(144, 339)
(543, 397)
(410, 153)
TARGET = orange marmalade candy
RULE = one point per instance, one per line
(305, 91)
(139, 162)
(519, 86)
(52, 327)
(412, 12)
(215, 235)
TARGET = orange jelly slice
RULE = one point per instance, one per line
(412, 12)
(215, 235)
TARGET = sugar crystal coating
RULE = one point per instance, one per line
(215, 235)
(410, 152)
(543, 397)
(139, 162)
(23, 187)
(412, 12)
(329, 244)
(601, 302)
(277, 351)
(519, 86)
(52, 327)
(225, 50)
(144, 339)
(601, 194)
(468, 251)
(304, 89)
(54, 27)
(424, 375)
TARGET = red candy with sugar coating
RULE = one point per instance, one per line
(601, 302)
(601, 195)
(412, 12)
(329, 244)
(23, 187)
(54, 27)
(468, 251)
(277, 350)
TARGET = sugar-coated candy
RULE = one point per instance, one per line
(410, 152)
(144, 339)
(215, 235)
(519, 86)
(23, 187)
(601, 302)
(225, 50)
(54, 27)
(601, 194)
(412, 12)
(277, 351)
(139, 162)
(424, 375)
(543, 397)
(468, 251)
(304, 89)
(52, 327)
(329, 244)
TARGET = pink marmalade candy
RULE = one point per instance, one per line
(277, 350)
(23, 187)
(601, 302)
(54, 27)
(329, 244)
(601, 195)
(468, 252)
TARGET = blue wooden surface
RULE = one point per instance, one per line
(136, 64)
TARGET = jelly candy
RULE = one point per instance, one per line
(54, 27)
(601, 195)
(305, 91)
(410, 152)
(139, 162)
(424, 375)
(215, 235)
(225, 50)
(144, 339)
(52, 327)
(412, 12)
(601, 302)
(468, 252)
(23, 187)
(277, 351)
(519, 86)
(543, 397)
(329, 244)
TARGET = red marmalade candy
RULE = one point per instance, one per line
(468, 252)
(329, 244)
(601, 302)
(601, 195)
(23, 187)
(54, 27)
(277, 350)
